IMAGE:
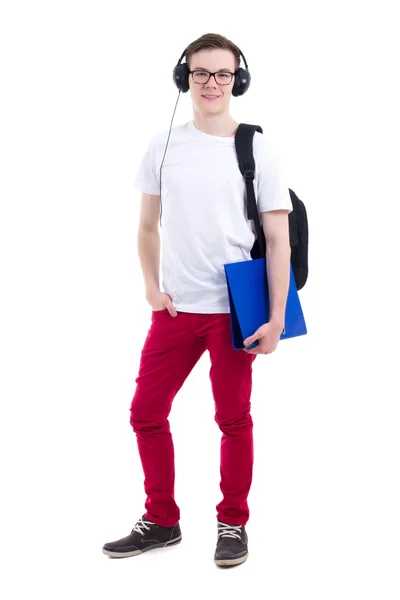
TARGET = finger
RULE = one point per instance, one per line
(252, 351)
(171, 309)
(250, 341)
(256, 336)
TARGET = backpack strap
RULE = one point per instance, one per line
(244, 149)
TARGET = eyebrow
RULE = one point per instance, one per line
(203, 69)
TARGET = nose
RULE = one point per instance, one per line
(211, 82)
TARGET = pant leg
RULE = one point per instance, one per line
(170, 352)
(231, 381)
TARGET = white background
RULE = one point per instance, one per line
(84, 86)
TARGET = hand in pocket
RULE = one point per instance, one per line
(161, 301)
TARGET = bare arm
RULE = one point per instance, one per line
(276, 229)
(148, 243)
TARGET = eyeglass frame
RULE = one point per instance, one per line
(213, 74)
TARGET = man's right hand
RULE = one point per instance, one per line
(161, 301)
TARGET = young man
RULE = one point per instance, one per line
(204, 226)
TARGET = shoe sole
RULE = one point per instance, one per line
(116, 554)
(226, 562)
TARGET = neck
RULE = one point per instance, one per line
(220, 125)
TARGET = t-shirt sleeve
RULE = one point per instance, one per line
(148, 178)
(272, 188)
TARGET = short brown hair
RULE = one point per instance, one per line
(211, 41)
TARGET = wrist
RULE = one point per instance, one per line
(152, 291)
(277, 322)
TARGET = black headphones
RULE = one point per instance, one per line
(242, 77)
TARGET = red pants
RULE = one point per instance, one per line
(172, 348)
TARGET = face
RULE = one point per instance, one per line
(212, 60)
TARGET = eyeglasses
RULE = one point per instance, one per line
(221, 78)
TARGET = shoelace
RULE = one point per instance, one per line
(233, 531)
(141, 523)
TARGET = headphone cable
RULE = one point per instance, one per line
(165, 151)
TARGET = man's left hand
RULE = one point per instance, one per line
(268, 335)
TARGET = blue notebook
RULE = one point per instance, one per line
(249, 302)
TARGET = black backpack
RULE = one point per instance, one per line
(298, 223)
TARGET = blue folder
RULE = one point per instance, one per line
(249, 302)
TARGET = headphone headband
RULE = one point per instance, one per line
(241, 54)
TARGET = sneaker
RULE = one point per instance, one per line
(231, 547)
(145, 535)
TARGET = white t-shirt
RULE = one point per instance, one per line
(204, 221)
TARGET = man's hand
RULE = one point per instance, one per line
(160, 301)
(268, 335)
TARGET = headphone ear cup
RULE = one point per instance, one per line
(181, 77)
(242, 82)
